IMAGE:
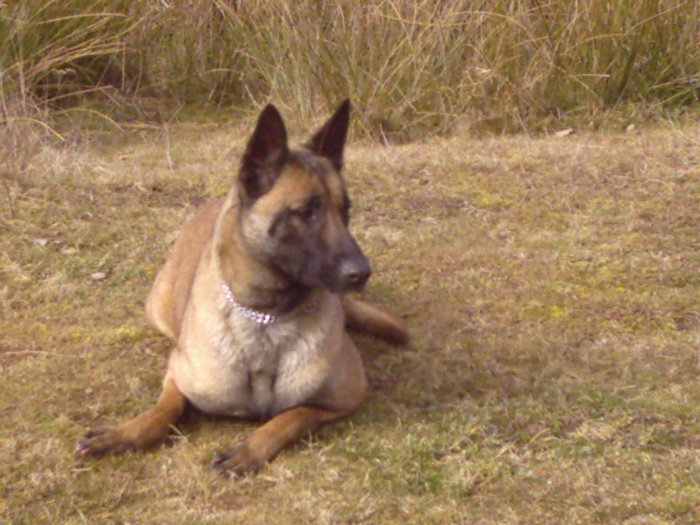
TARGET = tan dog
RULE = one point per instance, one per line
(252, 295)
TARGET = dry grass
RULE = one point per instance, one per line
(551, 286)
(416, 67)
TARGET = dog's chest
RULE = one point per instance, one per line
(251, 370)
(267, 355)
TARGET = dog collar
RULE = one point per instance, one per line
(262, 318)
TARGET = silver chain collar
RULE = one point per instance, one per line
(259, 317)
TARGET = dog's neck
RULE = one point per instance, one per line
(258, 316)
(254, 284)
(278, 301)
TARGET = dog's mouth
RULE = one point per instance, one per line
(347, 275)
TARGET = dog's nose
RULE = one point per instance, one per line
(354, 273)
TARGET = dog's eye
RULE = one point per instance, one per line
(308, 212)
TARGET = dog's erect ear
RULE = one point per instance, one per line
(265, 154)
(329, 141)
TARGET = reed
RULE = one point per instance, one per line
(413, 67)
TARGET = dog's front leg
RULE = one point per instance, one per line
(142, 431)
(266, 442)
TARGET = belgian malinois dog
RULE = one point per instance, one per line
(254, 297)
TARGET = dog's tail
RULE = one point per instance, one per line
(366, 318)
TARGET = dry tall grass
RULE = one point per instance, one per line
(413, 67)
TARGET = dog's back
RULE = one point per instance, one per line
(167, 300)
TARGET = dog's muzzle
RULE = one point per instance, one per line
(353, 274)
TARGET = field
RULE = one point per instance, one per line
(550, 285)
(526, 183)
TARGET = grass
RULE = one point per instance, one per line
(550, 285)
(415, 68)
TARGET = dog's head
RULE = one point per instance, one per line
(294, 207)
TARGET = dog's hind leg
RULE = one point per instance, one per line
(364, 317)
(142, 431)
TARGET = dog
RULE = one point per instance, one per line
(255, 297)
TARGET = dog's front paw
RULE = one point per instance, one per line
(101, 441)
(237, 461)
